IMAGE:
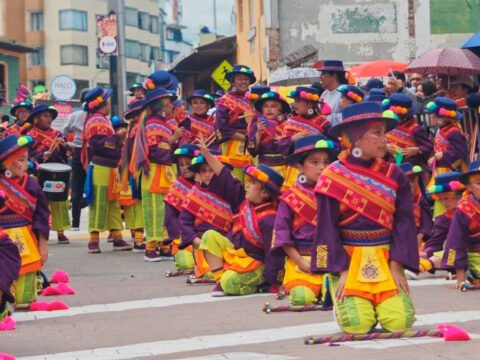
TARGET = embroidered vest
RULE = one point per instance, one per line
(248, 220)
(44, 139)
(18, 201)
(296, 124)
(303, 203)
(178, 192)
(441, 138)
(471, 209)
(402, 135)
(201, 127)
(367, 191)
(209, 208)
(237, 106)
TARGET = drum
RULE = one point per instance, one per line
(54, 178)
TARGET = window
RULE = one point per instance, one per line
(38, 57)
(132, 78)
(154, 25)
(174, 34)
(36, 21)
(143, 21)
(81, 84)
(155, 53)
(132, 49)
(131, 17)
(103, 62)
(73, 20)
(145, 52)
(74, 55)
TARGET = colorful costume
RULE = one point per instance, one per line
(49, 140)
(245, 251)
(10, 262)
(199, 126)
(19, 128)
(365, 219)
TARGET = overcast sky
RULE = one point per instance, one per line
(197, 13)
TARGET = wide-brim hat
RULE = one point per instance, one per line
(410, 169)
(157, 94)
(362, 113)
(306, 93)
(134, 108)
(218, 94)
(256, 92)
(332, 66)
(351, 92)
(444, 107)
(271, 179)
(161, 79)
(201, 94)
(241, 70)
(473, 169)
(199, 160)
(445, 183)
(95, 97)
(273, 96)
(187, 150)
(376, 95)
(37, 110)
(400, 104)
(25, 104)
(373, 83)
(12, 143)
(310, 143)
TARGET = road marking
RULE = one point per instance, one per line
(237, 339)
(161, 302)
(128, 305)
(240, 356)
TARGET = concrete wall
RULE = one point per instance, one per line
(12, 74)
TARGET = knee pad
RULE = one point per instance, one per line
(302, 295)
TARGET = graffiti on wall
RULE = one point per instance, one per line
(454, 16)
(375, 18)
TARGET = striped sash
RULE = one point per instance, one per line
(178, 192)
(303, 203)
(248, 221)
(237, 106)
(17, 199)
(296, 124)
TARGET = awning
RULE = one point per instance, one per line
(12, 45)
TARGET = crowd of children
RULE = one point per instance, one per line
(257, 195)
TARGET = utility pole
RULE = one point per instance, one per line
(118, 75)
(215, 16)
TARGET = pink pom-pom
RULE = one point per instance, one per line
(442, 112)
(456, 185)
(50, 291)
(60, 276)
(303, 94)
(326, 109)
(61, 289)
(38, 306)
(8, 324)
(453, 333)
(392, 108)
(4, 356)
(57, 305)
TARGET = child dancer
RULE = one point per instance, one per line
(297, 217)
(365, 231)
(21, 112)
(351, 94)
(182, 157)
(198, 123)
(266, 129)
(24, 217)
(50, 147)
(241, 261)
(462, 248)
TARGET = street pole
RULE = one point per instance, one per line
(117, 63)
(215, 16)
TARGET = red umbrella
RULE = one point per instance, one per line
(449, 61)
(377, 68)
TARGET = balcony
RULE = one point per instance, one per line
(34, 38)
(34, 5)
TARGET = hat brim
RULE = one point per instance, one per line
(297, 157)
(14, 109)
(273, 190)
(169, 95)
(130, 114)
(191, 97)
(123, 124)
(229, 76)
(332, 69)
(285, 106)
(465, 176)
(336, 130)
(175, 157)
(32, 116)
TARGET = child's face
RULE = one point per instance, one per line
(449, 201)
(206, 173)
(199, 106)
(20, 166)
(413, 180)
(44, 120)
(271, 109)
(313, 165)
(474, 186)
(344, 102)
(22, 114)
(183, 164)
(139, 93)
(255, 192)
(302, 106)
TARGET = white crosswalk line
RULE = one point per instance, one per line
(238, 338)
(240, 356)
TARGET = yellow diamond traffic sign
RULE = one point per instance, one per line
(218, 75)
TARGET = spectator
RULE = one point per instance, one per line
(397, 84)
(332, 76)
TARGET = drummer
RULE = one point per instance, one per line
(50, 147)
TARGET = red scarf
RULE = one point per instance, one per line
(303, 203)
(248, 220)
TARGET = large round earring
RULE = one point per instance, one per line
(357, 152)
(302, 179)
(8, 173)
(234, 88)
(164, 114)
(310, 111)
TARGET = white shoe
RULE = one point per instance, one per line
(411, 275)
(75, 229)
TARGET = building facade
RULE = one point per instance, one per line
(282, 34)
(64, 36)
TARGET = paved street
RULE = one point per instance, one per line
(126, 309)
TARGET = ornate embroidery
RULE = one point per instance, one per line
(452, 254)
(322, 252)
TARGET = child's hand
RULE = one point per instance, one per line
(438, 155)
(340, 293)
(43, 249)
(399, 277)
(430, 161)
(178, 134)
(304, 266)
(196, 242)
(260, 127)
